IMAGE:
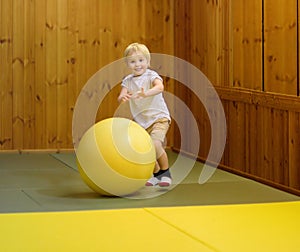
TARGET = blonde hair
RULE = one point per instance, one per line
(134, 47)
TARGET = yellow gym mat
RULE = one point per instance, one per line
(250, 227)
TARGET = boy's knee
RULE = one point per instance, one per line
(159, 149)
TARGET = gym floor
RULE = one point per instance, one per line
(46, 206)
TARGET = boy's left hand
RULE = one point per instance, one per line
(139, 94)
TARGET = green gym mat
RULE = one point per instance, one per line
(38, 182)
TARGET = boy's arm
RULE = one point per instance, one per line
(124, 95)
(157, 88)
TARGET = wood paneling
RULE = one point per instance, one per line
(6, 76)
(244, 44)
(204, 28)
(263, 140)
(249, 52)
(50, 48)
(40, 127)
(280, 50)
(29, 78)
(51, 74)
(18, 73)
(247, 44)
(63, 83)
(294, 150)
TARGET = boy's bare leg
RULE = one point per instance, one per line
(163, 161)
(161, 169)
(156, 167)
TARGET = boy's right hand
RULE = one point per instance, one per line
(126, 97)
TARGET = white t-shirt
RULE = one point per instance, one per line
(147, 110)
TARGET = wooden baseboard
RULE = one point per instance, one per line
(24, 151)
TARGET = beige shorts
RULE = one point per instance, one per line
(159, 129)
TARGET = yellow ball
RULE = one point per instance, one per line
(115, 156)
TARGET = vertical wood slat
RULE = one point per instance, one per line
(222, 59)
(280, 46)
(236, 137)
(6, 100)
(177, 27)
(63, 85)
(253, 144)
(246, 22)
(294, 149)
(224, 55)
(275, 146)
(51, 74)
(29, 70)
(72, 69)
(211, 43)
(168, 45)
(83, 43)
(106, 32)
(113, 37)
(210, 39)
(40, 73)
(18, 74)
(181, 32)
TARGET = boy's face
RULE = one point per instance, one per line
(138, 63)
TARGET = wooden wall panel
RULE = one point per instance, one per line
(236, 143)
(50, 48)
(262, 139)
(218, 42)
(275, 146)
(257, 81)
(63, 84)
(72, 64)
(247, 44)
(29, 80)
(204, 28)
(255, 136)
(51, 74)
(40, 125)
(18, 74)
(294, 150)
(280, 57)
(6, 87)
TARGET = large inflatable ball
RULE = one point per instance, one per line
(115, 156)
